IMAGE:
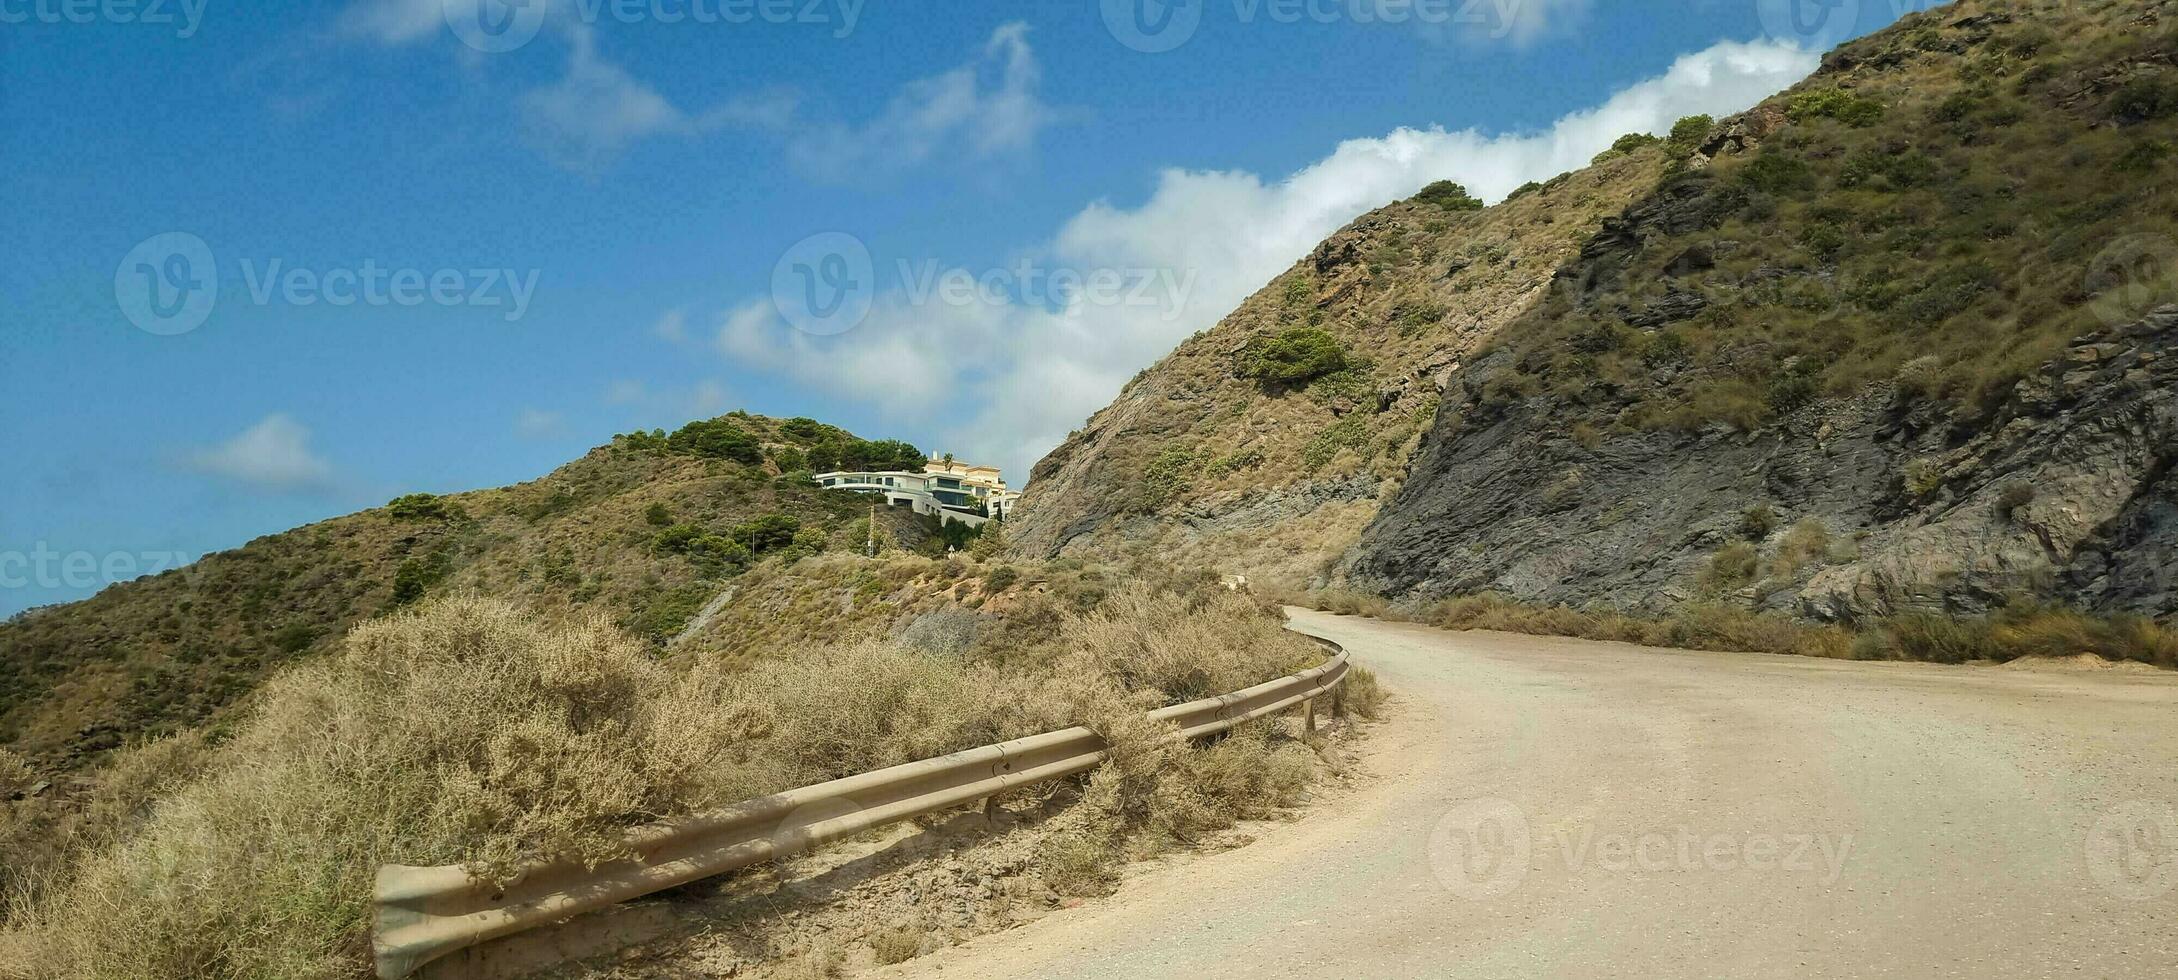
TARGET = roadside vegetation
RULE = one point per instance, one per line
(471, 730)
(1945, 211)
(2024, 628)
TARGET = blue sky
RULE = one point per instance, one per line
(442, 267)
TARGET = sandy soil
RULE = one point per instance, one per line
(1552, 807)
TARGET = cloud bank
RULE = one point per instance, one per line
(273, 455)
(1005, 381)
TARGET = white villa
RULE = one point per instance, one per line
(945, 489)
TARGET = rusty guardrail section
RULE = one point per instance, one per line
(423, 914)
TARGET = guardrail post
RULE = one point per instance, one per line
(1309, 708)
(1338, 702)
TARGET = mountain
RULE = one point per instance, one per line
(1266, 444)
(647, 529)
(1891, 342)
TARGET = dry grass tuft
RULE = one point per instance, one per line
(471, 731)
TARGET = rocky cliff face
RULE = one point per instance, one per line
(2067, 494)
(1883, 347)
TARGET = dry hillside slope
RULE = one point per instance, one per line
(1265, 444)
(645, 530)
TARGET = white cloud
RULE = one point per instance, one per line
(533, 423)
(1022, 376)
(274, 454)
(590, 115)
(982, 109)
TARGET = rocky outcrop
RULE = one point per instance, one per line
(2067, 494)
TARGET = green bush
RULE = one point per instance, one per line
(716, 439)
(2143, 100)
(416, 575)
(1853, 110)
(1687, 134)
(423, 507)
(1295, 356)
(1625, 145)
(1449, 196)
(1773, 172)
(1346, 433)
(767, 533)
(658, 515)
(1169, 475)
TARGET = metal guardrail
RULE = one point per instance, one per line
(423, 914)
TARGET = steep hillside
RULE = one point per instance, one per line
(1265, 444)
(1895, 349)
(647, 529)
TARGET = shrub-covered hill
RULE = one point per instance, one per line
(646, 530)
(1890, 345)
(1265, 444)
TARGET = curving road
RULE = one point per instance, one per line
(1546, 807)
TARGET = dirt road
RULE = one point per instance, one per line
(1547, 807)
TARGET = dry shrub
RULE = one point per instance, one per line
(1346, 602)
(842, 711)
(1695, 626)
(465, 732)
(898, 944)
(1251, 774)
(1081, 862)
(471, 732)
(1362, 693)
(1183, 646)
